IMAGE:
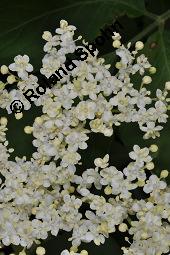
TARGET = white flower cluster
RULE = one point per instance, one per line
(46, 194)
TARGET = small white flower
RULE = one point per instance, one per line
(85, 110)
(141, 156)
(21, 66)
(102, 163)
(154, 184)
(52, 41)
(151, 130)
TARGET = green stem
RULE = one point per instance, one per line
(146, 31)
(159, 22)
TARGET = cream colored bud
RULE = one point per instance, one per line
(64, 192)
(72, 253)
(144, 235)
(123, 227)
(97, 242)
(28, 129)
(117, 124)
(108, 132)
(139, 45)
(153, 148)
(4, 69)
(34, 211)
(150, 166)
(3, 121)
(38, 120)
(147, 79)
(116, 44)
(108, 190)
(40, 250)
(152, 70)
(56, 202)
(164, 173)
(80, 37)
(46, 35)
(2, 85)
(22, 253)
(118, 65)
(167, 85)
(19, 115)
(83, 252)
(141, 183)
(71, 189)
(63, 23)
(74, 249)
(11, 79)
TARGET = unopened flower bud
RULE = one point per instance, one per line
(22, 253)
(4, 69)
(116, 44)
(2, 85)
(150, 166)
(74, 249)
(118, 65)
(38, 120)
(147, 79)
(18, 116)
(108, 190)
(28, 129)
(167, 85)
(71, 189)
(46, 35)
(40, 250)
(139, 45)
(11, 79)
(141, 183)
(34, 211)
(123, 227)
(153, 148)
(83, 252)
(152, 70)
(63, 23)
(164, 173)
(144, 235)
(3, 121)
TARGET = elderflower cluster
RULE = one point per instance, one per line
(46, 194)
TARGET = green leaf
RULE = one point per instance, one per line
(157, 6)
(23, 22)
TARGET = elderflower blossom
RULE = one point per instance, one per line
(46, 194)
(21, 66)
